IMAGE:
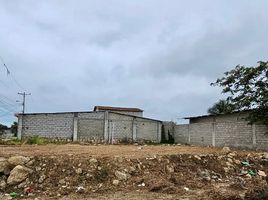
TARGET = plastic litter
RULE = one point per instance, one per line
(13, 194)
(252, 172)
(28, 190)
(245, 163)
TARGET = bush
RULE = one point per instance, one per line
(36, 140)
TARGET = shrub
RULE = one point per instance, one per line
(36, 140)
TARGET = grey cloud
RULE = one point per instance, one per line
(156, 55)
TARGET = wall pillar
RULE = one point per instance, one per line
(159, 129)
(75, 131)
(189, 136)
(19, 131)
(134, 130)
(213, 134)
(254, 143)
(106, 127)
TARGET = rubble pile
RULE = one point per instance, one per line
(182, 174)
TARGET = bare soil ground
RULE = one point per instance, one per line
(130, 151)
(74, 171)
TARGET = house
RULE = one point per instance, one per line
(100, 125)
(222, 130)
(130, 111)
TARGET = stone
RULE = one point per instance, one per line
(93, 161)
(231, 155)
(230, 160)
(41, 179)
(197, 157)
(62, 181)
(116, 182)
(170, 169)
(119, 159)
(80, 189)
(18, 160)
(261, 173)
(205, 175)
(38, 169)
(18, 174)
(229, 164)
(78, 171)
(3, 184)
(237, 162)
(132, 169)
(226, 169)
(22, 185)
(4, 165)
(226, 150)
(264, 155)
(121, 175)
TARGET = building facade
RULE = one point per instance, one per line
(222, 130)
(97, 126)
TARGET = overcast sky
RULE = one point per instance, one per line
(160, 56)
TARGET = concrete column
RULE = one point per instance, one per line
(75, 131)
(159, 129)
(111, 132)
(213, 134)
(254, 143)
(20, 125)
(134, 130)
(106, 127)
(189, 136)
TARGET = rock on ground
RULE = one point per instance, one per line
(18, 174)
(4, 165)
(18, 160)
(121, 175)
(226, 150)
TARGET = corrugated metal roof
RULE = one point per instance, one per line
(109, 108)
(210, 115)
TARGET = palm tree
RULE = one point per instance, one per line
(221, 107)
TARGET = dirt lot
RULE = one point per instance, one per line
(130, 151)
(74, 171)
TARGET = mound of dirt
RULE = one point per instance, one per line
(212, 176)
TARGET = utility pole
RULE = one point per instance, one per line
(24, 100)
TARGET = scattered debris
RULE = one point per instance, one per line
(261, 173)
(121, 175)
(116, 182)
(226, 150)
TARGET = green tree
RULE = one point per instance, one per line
(3, 128)
(14, 128)
(221, 107)
(247, 88)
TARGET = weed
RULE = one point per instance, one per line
(36, 140)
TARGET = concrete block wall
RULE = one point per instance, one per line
(236, 134)
(148, 130)
(48, 125)
(261, 136)
(201, 134)
(90, 129)
(181, 134)
(89, 126)
(219, 134)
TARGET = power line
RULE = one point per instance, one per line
(10, 74)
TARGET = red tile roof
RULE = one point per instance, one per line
(109, 108)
